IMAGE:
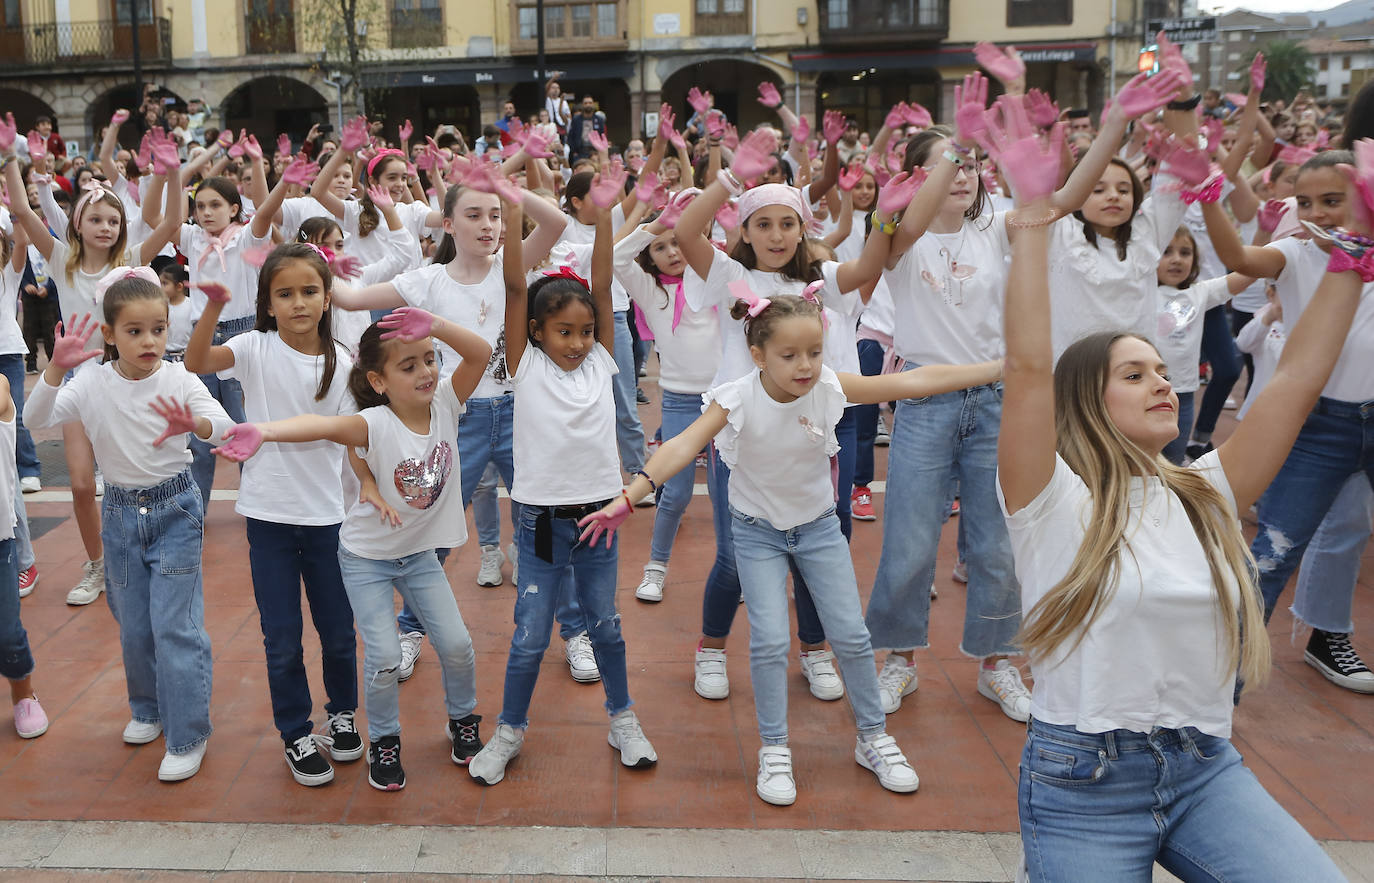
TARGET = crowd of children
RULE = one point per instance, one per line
(378, 334)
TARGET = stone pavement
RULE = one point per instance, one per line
(80, 799)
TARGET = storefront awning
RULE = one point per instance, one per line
(473, 73)
(944, 56)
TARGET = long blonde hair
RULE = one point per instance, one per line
(78, 249)
(1106, 461)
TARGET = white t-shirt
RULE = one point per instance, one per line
(1178, 334)
(372, 248)
(564, 430)
(1352, 380)
(574, 248)
(1264, 343)
(853, 244)
(880, 315)
(348, 326)
(479, 307)
(180, 321)
(289, 483)
(296, 210)
(118, 416)
(1092, 290)
(418, 476)
(779, 452)
(688, 355)
(76, 294)
(947, 294)
(1209, 265)
(1155, 655)
(237, 273)
(11, 337)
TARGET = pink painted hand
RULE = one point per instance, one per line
(715, 124)
(144, 157)
(700, 101)
(380, 196)
(728, 216)
(678, 141)
(225, 139)
(166, 161)
(1171, 59)
(1213, 130)
(851, 175)
(730, 140)
(755, 155)
(346, 267)
(802, 130)
(672, 212)
(216, 292)
(119, 117)
(1362, 177)
(1271, 214)
(38, 147)
(8, 133)
(665, 122)
(1029, 164)
(1004, 64)
(1187, 162)
(241, 441)
(69, 350)
(408, 324)
(1146, 94)
(645, 187)
(832, 126)
(354, 135)
(768, 95)
(918, 116)
(598, 142)
(896, 117)
(608, 186)
(1042, 111)
(970, 114)
(284, 144)
(605, 520)
(898, 192)
(301, 172)
(486, 178)
(178, 415)
(406, 130)
(1258, 68)
(537, 145)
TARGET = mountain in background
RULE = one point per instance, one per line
(1347, 13)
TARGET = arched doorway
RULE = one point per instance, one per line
(269, 106)
(27, 108)
(612, 97)
(733, 83)
(125, 96)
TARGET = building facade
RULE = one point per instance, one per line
(272, 65)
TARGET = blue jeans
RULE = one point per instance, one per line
(1336, 442)
(486, 512)
(1175, 451)
(722, 596)
(866, 416)
(228, 393)
(23, 543)
(281, 557)
(847, 434)
(679, 410)
(25, 454)
(629, 434)
(592, 569)
(420, 580)
(1219, 349)
(819, 550)
(1107, 806)
(16, 659)
(934, 440)
(1331, 564)
(152, 539)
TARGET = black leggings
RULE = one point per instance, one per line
(40, 317)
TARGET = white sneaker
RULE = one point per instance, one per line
(139, 733)
(649, 499)
(100, 487)
(91, 585)
(488, 766)
(30, 484)
(775, 783)
(176, 767)
(896, 679)
(513, 556)
(581, 659)
(881, 755)
(818, 667)
(1003, 685)
(961, 572)
(651, 589)
(628, 738)
(411, 644)
(489, 572)
(711, 681)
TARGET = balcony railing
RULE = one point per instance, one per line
(269, 34)
(84, 44)
(417, 28)
(869, 22)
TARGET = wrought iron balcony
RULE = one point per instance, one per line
(84, 44)
(866, 23)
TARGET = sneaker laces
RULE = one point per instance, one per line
(387, 755)
(1006, 683)
(306, 745)
(655, 575)
(628, 728)
(893, 677)
(465, 732)
(1343, 653)
(580, 649)
(342, 722)
(410, 651)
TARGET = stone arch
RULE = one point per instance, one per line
(108, 94)
(27, 104)
(733, 82)
(269, 105)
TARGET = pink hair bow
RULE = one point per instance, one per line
(741, 290)
(119, 274)
(810, 293)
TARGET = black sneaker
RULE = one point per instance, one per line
(308, 766)
(641, 397)
(463, 734)
(1194, 450)
(346, 743)
(384, 764)
(1332, 654)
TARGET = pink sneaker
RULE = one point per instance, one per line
(29, 719)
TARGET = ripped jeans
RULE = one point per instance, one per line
(420, 580)
(593, 572)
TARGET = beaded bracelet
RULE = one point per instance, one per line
(728, 180)
(653, 485)
(1019, 224)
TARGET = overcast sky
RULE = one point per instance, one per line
(1274, 5)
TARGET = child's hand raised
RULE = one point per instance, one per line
(215, 292)
(69, 350)
(608, 187)
(241, 441)
(301, 172)
(179, 418)
(380, 196)
(605, 520)
(408, 324)
(1270, 215)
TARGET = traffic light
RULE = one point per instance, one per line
(1148, 62)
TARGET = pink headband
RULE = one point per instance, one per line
(119, 274)
(381, 155)
(90, 190)
(772, 194)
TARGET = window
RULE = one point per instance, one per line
(1324, 63)
(706, 7)
(582, 20)
(1345, 89)
(124, 10)
(606, 24)
(837, 14)
(553, 22)
(1031, 13)
(900, 12)
(1345, 62)
(733, 7)
(529, 23)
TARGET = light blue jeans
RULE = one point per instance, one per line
(420, 580)
(629, 433)
(935, 440)
(679, 410)
(228, 393)
(592, 570)
(820, 551)
(152, 539)
(486, 512)
(1330, 566)
(1107, 806)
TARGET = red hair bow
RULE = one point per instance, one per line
(566, 272)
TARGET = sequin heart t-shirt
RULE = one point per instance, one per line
(418, 476)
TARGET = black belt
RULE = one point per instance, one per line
(543, 524)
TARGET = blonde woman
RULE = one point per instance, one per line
(1138, 594)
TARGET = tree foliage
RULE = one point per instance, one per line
(1289, 69)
